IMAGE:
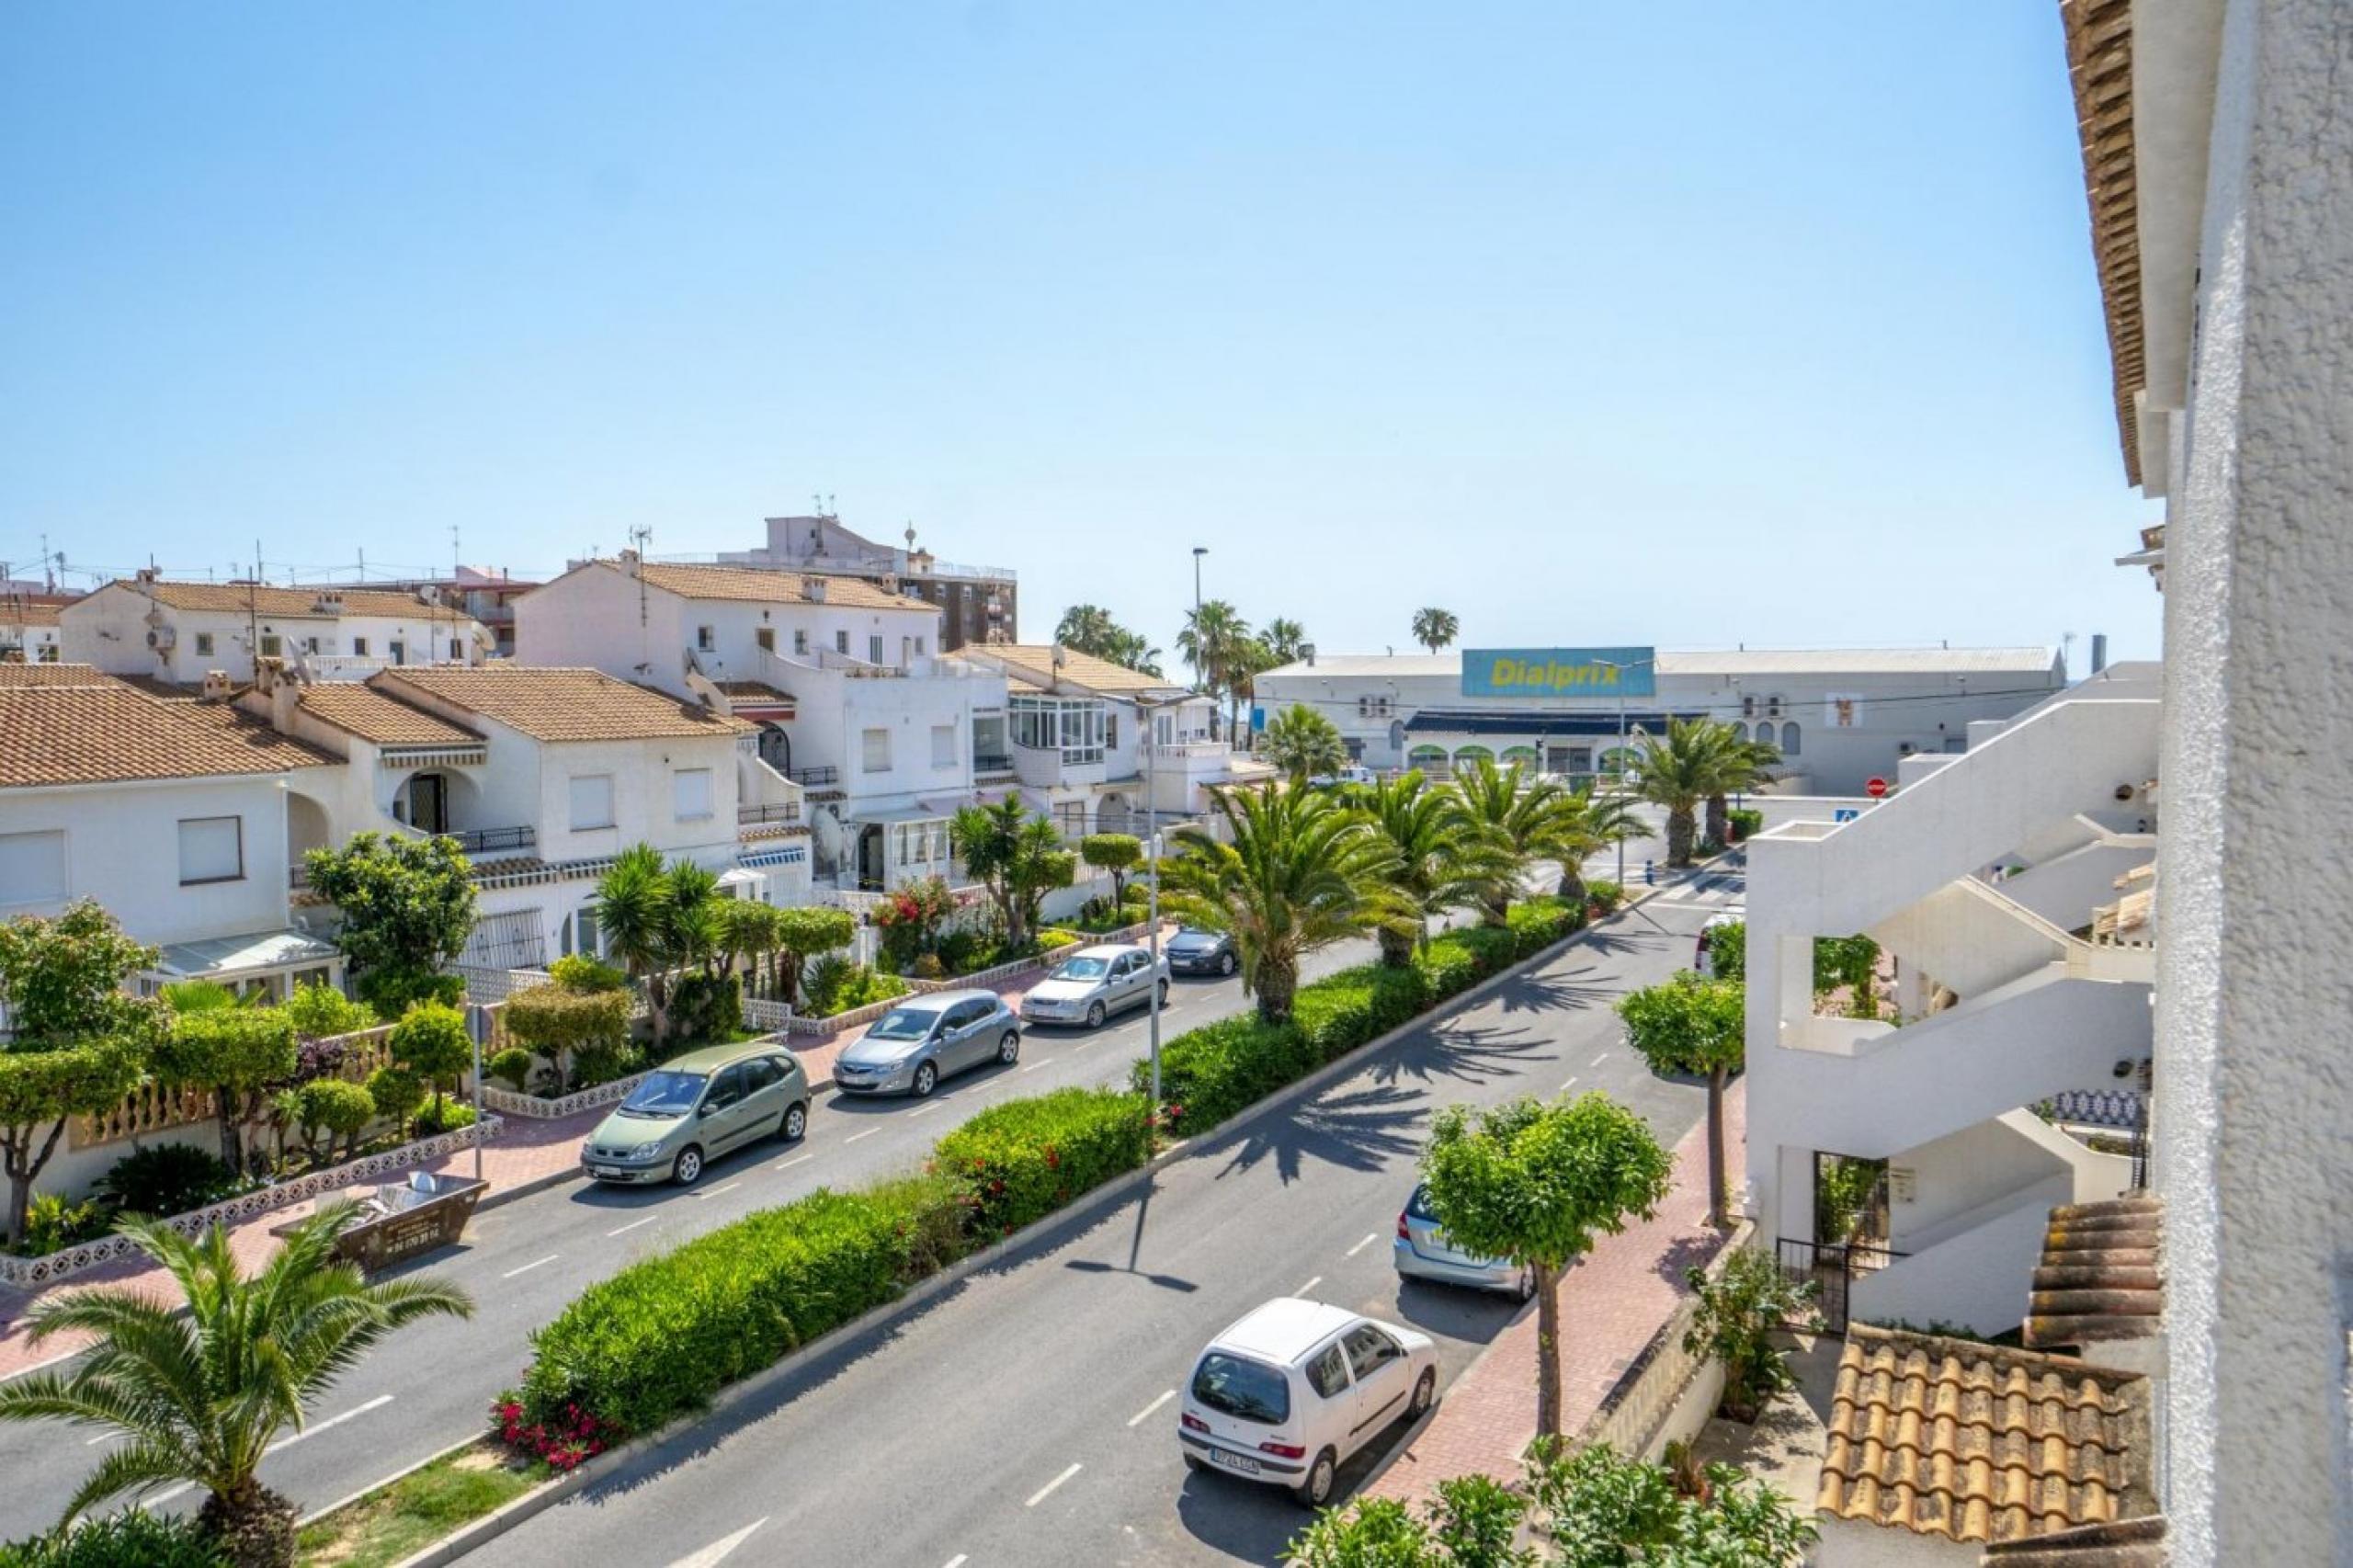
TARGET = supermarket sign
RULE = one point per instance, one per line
(1560, 672)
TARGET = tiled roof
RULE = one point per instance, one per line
(2100, 64)
(2099, 1278)
(291, 604)
(2130, 1543)
(13, 672)
(106, 733)
(16, 612)
(361, 709)
(754, 690)
(550, 704)
(1980, 1443)
(161, 689)
(763, 585)
(1035, 662)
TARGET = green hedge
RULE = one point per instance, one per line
(133, 1538)
(660, 1337)
(1016, 1163)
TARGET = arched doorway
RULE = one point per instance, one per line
(1431, 760)
(776, 748)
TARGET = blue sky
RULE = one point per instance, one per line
(1691, 325)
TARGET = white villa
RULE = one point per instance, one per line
(177, 634)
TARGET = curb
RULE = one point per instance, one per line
(491, 1526)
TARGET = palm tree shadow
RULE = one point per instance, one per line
(1359, 1130)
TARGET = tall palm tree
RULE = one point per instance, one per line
(1302, 742)
(1085, 627)
(1679, 770)
(1245, 661)
(1434, 628)
(1437, 863)
(1589, 822)
(1518, 817)
(1302, 871)
(1284, 639)
(1745, 762)
(202, 1394)
(1211, 634)
(633, 908)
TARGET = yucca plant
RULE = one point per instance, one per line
(201, 1396)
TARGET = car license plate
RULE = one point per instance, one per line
(1234, 1462)
(604, 1170)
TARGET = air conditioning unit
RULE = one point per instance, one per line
(162, 638)
(1748, 705)
(1772, 707)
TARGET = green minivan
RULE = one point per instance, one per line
(694, 1107)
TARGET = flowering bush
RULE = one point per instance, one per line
(561, 1442)
(1018, 1161)
(910, 920)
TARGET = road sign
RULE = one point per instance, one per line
(1875, 788)
(1845, 813)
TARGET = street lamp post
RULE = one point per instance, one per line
(1200, 653)
(1620, 772)
(1145, 710)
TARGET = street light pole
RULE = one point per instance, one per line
(1200, 653)
(1152, 875)
(1620, 771)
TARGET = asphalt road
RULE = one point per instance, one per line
(432, 1385)
(1025, 1417)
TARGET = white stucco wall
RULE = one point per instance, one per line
(2253, 1099)
(108, 629)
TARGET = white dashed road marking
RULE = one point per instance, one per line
(1047, 1491)
(535, 1263)
(1310, 1285)
(633, 1224)
(1364, 1244)
(715, 1191)
(855, 1136)
(796, 1160)
(1137, 1419)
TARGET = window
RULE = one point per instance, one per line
(943, 745)
(310, 645)
(1765, 730)
(801, 640)
(1789, 738)
(1739, 731)
(399, 652)
(764, 638)
(33, 867)
(592, 801)
(272, 645)
(1328, 1373)
(690, 793)
(725, 1090)
(1247, 1390)
(359, 647)
(204, 644)
(841, 643)
(1369, 1349)
(213, 849)
(763, 1072)
(456, 652)
(706, 639)
(874, 649)
(875, 747)
(1110, 730)
(918, 647)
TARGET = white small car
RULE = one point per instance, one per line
(1701, 960)
(1287, 1394)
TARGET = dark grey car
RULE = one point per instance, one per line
(1196, 952)
(924, 1039)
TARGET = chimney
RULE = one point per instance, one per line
(814, 589)
(2099, 652)
(1307, 652)
(1060, 656)
(218, 686)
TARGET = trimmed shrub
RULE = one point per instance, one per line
(164, 1179)
(321, 1012)
(1208, 1073)
(1050, 939)
(397, 1093)
(1604, 896)
(431, 1041)
(447, 1116)
(1015, 1162)
(1747, 823)
(660, 1337)
(579, 972)
(706, 1007)
(52, 1223)
(571, 1028)
(333, 1107)
(1342, 1011)
(1536, 924)
(133, 1538)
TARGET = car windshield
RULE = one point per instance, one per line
(903, 1023)
(1418, 1206)
(1082, 968)
(665, 1094)
(1194, 933)
(1251, 1391)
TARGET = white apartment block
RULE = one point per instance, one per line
(27, 631)
(177, 634)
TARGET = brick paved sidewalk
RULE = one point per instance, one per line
(1611, 1304)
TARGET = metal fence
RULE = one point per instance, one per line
(1832, 1268)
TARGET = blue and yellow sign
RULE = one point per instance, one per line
(1560, 672)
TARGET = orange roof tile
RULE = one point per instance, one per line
(358, 708)
(764, 585)
(13, 672)
(1982, 1443)
(2099, 1278)
(292, 604)
(109, 734)
(554, 704)
(16, 612)
(1035, 662)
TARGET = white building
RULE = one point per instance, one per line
(179, 632)
(27, 631)
(178, 817)
(841, 679)
(1839, 717)
(1984, 878)
(976, 604)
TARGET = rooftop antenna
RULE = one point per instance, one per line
(639, 537)
(48, 577)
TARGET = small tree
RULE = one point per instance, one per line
(1728, 950)
(803, 932)
(1737, 1316)
(1851, 961)
(1115, 853)
(1302, 742)
(1606, 1512)
(240, 1054)
(40, 1090)
(431, 1041)
(321, 1012)
(397, 1092)
(407, 907)
(1471, 1525)
(62, 979)
(339, 1109)
(1018, 856)
(1434, 628)
(1535, 1183)
(582, 1033)
(1695, 1026)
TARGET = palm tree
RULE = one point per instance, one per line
(1248, 659)
(1211, 633)
(1016, 854)
(1434, 628)
(1302, 742)
(1302, 871)
(1744, 765)
(1085, 627)
(633, 908)
(1437, 863)
(1681, 769)
(1589, 822)
(202, 1393)
(1284, 639)
(1518, 817)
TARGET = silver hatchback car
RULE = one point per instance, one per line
(1422, 1252)
(1092, 983)
(909, 1048)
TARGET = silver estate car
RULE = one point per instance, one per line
(1422, 1253)
(922, 1039)
(1092, 983)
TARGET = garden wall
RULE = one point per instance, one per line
(1666, 1394)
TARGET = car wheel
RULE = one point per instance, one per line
(688, 1168)
(927, 1080)
(1316, 1490)
(1164, 994)
(1424, 1392)
(1225, 965)
(1095, 1016)
(1526, 1289)
(1008, 1050)
(795, 1123)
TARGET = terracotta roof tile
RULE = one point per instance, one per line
(2100, 65)
(2128, 1543)
(764, 585)
(358, 708)
(2099, 1280)
(99, 734)
(292, 604)
(554, 704)
(1980, 1443)
(1035, 662)
(16, 612)
(12, 674)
